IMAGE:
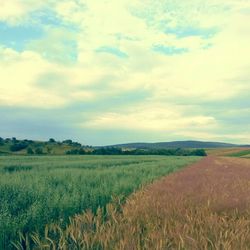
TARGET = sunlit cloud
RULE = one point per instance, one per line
(150, 118)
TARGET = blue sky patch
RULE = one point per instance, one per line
(16, 37)
(182, 32)
(112, 50)
(47, 17)
(169, 50)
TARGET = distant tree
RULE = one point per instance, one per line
(68, 142)
(76, 144)
(107, 151)
(81, 151)
(7, 140)
(199, 152)
(1, 141)
(18, 146)
(51, 140)
(49, 150)
(14, 140)
(39, 151)
(72, 152)
(30, 151)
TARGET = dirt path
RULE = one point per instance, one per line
(223, 180)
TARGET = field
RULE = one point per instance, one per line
(40, 190)
(244, 153)
(204, 206)
(234, 152)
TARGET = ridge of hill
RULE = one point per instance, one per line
(179, 144)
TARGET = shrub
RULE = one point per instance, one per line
(39, 151)
(30, 151)
(69, 142)
(199, 152)
(18, 146)
(72, 152)
(80, 151)
(1, 141)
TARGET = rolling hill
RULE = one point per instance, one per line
(179, 144)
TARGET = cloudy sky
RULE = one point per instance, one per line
(111, 71)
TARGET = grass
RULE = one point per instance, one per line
(243, 153)
(35, 191)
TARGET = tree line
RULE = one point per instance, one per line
(120, 151)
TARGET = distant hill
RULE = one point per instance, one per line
(13, 146)
(179, 144)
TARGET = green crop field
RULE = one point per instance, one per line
(242, 153)
(38, 190)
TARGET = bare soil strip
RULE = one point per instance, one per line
(224, 180)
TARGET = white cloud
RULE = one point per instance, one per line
(17, 74)
(150, 117)
(20, 74)
(15, 11)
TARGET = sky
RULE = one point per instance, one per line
(112, 71)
